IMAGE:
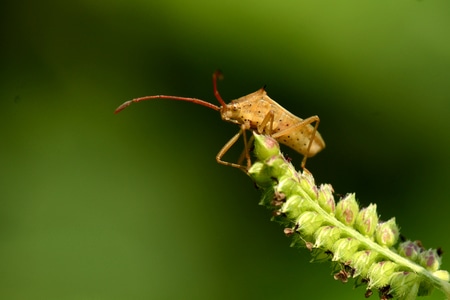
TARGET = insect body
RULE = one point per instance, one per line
(257, 112)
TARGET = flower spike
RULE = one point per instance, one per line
(350, 237)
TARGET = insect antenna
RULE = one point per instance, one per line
(218, 74)
(192, 100)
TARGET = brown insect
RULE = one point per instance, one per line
(257, 112)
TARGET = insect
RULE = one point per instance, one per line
(257, 112)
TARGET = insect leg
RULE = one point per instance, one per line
(227, 147)
(267, 119)
(246, 146)
(298, 125)
(246, 151)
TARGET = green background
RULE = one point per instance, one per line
(133, 206)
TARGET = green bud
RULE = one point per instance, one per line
(295, 206)
(404, 285)
(287, 186)
(326, 198)
(278, 166)
(308, 184)
(326, 236)
(380, 273)
(442, 274)
(409, 250)
(347, 210)
(430, 259)
(344, 249)
(265, 146)
(367, 220)
(362, 260)
(386, 233)
(308, 223)
(261, 174)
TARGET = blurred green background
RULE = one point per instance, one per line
(133, 206)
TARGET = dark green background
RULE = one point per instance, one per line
(133, 206)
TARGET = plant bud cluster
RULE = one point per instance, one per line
(351, 237)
